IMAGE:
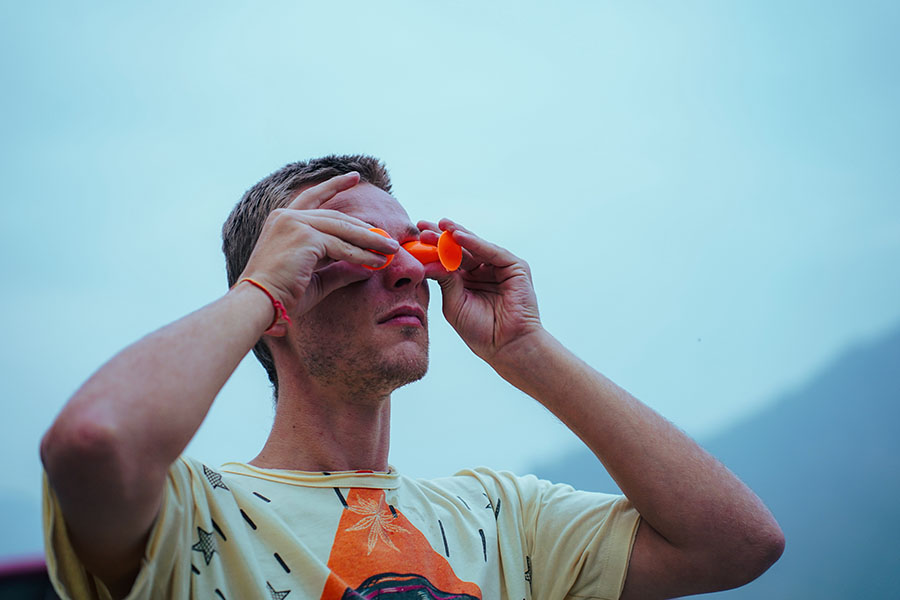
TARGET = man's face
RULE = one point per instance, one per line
(370, 337)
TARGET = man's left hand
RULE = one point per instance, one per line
(490, 299)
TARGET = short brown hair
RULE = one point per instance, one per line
(245, 223)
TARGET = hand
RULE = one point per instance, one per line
(490, 300)
(304, 252)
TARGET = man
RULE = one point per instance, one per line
(319, 513)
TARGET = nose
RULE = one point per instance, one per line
(404, 270)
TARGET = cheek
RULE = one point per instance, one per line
(333, 314)
(345, 302)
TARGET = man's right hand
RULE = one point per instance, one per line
(305, 252)
(109, 450)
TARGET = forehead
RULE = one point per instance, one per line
(375, 206)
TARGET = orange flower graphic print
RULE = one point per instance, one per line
(377, 520)
(378, 553)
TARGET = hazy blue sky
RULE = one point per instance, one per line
(707, 192)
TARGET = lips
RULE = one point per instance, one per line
(404, 315)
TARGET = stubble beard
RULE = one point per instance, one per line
(365, 371)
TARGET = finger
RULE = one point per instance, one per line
(338, 249)
(450, 281)
(436, 271)
(487, 272)
(446, 224)
(306, 214)
(483, 251)
(468, 262)
(349, 229)
(317, 195)
(323, 282)
(429, 232)
(483, 278)
(335, 276)
(428, 225)
(429, 237)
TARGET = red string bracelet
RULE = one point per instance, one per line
(280, 310)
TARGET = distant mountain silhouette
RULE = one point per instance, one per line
(826, 460)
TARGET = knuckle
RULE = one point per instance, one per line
(281, 217)
(348, 250)
(344, 228)
(276, 215)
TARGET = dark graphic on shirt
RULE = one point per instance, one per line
(275, 594)
(281, 562)
(206, 544)
(218, 530)
(378, 553)
(528, 571)
(494, 508)
(214, 478)
(394, 586)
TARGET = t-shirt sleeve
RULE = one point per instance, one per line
(578, 543)
(72, 581)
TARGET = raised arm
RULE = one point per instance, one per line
(107, 453)
(702, 529)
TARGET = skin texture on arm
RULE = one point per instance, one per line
(107, 453)
(702, 529)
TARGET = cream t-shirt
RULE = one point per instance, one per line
(242, 532)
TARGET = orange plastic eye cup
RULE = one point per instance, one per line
(390, 257)
(424, 253)
(447, 251)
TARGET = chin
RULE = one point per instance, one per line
(403, 372)
(406, 364)
(372, 369)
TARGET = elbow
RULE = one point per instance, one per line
(74, 443)
(767, 550)
(776, 544)
(756, 552)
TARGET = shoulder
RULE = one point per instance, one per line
(483, 477)
(537, 502)
(496, 488)
(505, 484)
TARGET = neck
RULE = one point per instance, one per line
(327, 430)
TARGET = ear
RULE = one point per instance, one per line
(277, 330)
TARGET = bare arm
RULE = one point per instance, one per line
(107, 454)
(108, 451)
(702, 529)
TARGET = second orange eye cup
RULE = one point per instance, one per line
(447, 251)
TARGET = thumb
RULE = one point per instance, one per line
(335, 276)
(321, 284)
(452, 290)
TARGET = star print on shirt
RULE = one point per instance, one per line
(206, 544)
(215, 479)
(377, 519)
(276, 595)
